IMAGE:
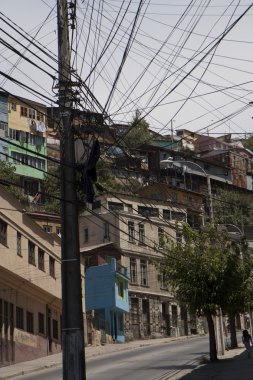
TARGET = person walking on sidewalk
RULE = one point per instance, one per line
(247, 341)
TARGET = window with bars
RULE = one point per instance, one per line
(19, 318)
(41, 259)
(3, 232)
(144, 272)
(19, 252)
(131, 231)
(141, 233)
(134, 310)
(29, 322)
(31, 252)
(133, 270)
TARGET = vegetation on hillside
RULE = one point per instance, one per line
(138, 132)
(248, 143)
(10, 181)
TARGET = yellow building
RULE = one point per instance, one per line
(30, 286)
(26, 135)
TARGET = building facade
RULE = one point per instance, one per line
(140, 231)
(30, 286)
(3, 126)
(111, 303)
(27, 149)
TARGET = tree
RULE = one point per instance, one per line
(248, 143)
(233, 208)
(11, 181)
(198, 269)
(138, 132)
(52, 192)
(105, 176)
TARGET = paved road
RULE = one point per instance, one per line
(158, 362)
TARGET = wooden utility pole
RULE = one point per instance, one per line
(72, 314)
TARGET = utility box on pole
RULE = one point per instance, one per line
(72, 313)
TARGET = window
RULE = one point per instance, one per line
(23, 111)
(55, 329)
(4, 127)
(148, 211)
(121, 289)
(86, 235)
(161, 237)
(19, 318)
(129, 207)
(133, 270)
(131, 231)
(115, 206)
(58, 231)
(179, 216)
(134, 310)
(3, 232)
(166, 214)
(13, 106)
(52, 266)
(162, 277)
(29, 322)
(47, 228)
(20, 158)
(106, 230)
(41, 323)
(141, 233)
(31, 252)
(41, 259)
(31, 113)
(19, 253)
(40, 116)
(144, 272)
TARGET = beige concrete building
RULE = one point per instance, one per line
(30, 286)
(140, 230)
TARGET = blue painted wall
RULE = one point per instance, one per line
(107, 289)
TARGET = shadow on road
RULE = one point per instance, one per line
(232, 368)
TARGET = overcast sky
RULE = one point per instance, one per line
(162, 75)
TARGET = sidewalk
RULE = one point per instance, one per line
(233, 365)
